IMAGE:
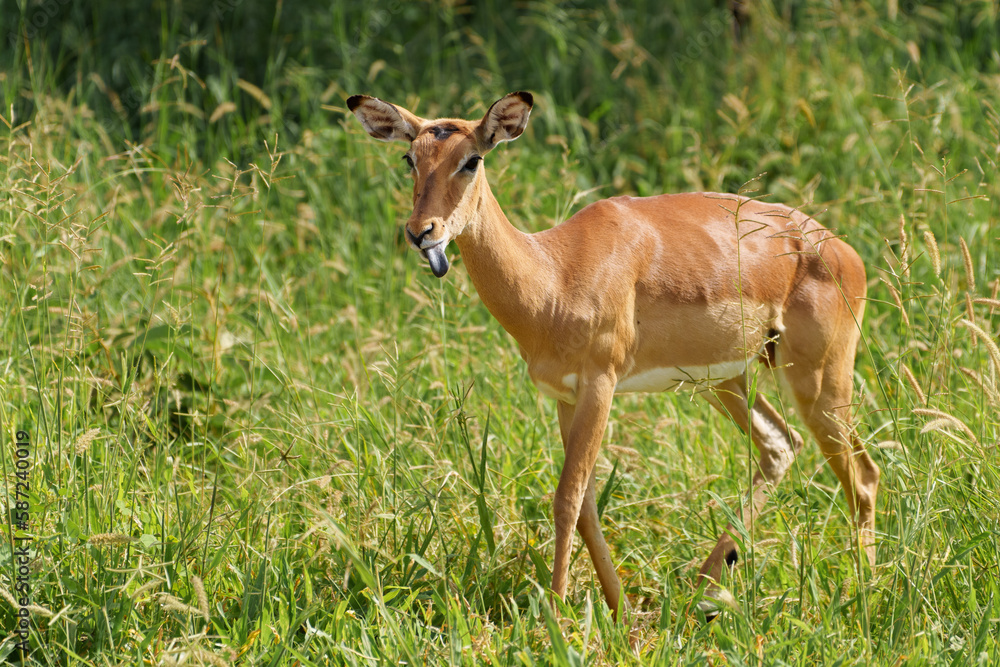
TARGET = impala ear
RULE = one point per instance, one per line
(505, 121)
(384, 121)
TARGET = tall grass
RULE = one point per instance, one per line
(262, 433)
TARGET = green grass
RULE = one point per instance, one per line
(262, 433)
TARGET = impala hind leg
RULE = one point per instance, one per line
(575, 504)
(777, 446)
(823, 394)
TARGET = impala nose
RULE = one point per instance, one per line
(418, 240)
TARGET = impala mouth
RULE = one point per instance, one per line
(437, 259)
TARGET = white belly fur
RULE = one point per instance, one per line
(566, 393)
(662, 379)
(651, 381)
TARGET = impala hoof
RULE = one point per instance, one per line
(714, 602)
(710, 609)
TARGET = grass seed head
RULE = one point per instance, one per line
(986, 385)
(933, 252)
(109, 539)
(904, 246)
(82, 444)
(908, 374)
(988, 342)
(970, 274)
(171, 603)
(942, 421)
(199, 591)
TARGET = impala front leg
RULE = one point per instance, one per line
(589, 525)
(582, 442)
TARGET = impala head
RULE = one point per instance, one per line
(445, 159)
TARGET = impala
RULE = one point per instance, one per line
(644, 295)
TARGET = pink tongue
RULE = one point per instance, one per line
(437, 259)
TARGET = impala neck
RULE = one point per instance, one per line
(510, 270)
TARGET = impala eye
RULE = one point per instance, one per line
(409, 162)
(471, 164)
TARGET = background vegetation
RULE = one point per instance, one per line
(263, 434)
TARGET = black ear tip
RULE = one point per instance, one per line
(354, 101)
(525, 97)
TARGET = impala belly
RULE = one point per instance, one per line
(662, 379)
(649, 381)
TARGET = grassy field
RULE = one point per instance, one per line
(260, 432)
